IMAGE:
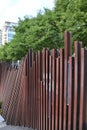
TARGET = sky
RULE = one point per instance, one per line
(10, 10)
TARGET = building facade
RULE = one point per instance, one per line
(8, 31)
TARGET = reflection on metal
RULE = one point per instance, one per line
(68, 85)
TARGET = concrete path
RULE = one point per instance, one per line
(14, 128)
(3, 126)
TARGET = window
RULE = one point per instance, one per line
(10, 36)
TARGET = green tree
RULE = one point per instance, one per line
(47, 29)
(72, 16)
(41, 31)
(36, 32)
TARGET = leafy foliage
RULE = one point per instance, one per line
(46, 29)
(72, 16)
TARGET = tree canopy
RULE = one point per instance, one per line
(47, 29)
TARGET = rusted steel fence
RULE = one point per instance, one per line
(49, 90)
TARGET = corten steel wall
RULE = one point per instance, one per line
(49, 90)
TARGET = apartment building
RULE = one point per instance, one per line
(8, 31)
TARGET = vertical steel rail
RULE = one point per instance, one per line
(67, 53)
(44, 86)
(41, 118)
(77, 46)
(53, 54)
(50, 93)
(38, 91)
(61, 89)
(71, 88)
(57, 93)
(47, 88)
(83, 91)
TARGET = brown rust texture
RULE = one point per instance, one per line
(48, 91)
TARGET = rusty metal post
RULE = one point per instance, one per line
(61, 89)
(57, 93)
(77, 46)
(67, 53)
(47, 88)
(44, 86)
(83, 91)
(50, 91)
(53, 89)
(38, 90)
(70, 96)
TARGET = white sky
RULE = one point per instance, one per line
(10, 10)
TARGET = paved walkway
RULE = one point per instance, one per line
(14, 128)
(3, 126)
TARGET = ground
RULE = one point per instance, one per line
(3, 126)
(14, 128)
